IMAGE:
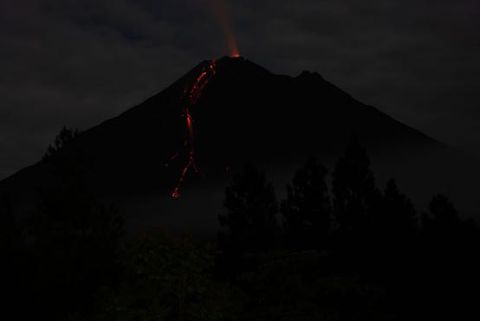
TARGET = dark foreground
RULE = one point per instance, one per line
(348, 250)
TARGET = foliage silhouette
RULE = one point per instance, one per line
(9, 254)
(74, 238)
(395, 229)
(250, 223)
(167, 278)
(63, 139)
(400, 218)
(307, 209)
(356, 208)
(353, 189)
(449, 261)
(362, 256)
(7, 227)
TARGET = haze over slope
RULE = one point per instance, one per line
(244, 114)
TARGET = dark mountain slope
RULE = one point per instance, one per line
(244, 114)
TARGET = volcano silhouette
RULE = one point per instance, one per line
(245, 114)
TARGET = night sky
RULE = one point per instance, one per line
(79, 62)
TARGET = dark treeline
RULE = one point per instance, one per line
(345, 250)
(58, 257)
(359, 250)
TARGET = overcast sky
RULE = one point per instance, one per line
(79, 62)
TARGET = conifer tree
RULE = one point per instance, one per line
(249, 224)
(307, 211)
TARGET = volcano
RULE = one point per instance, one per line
(187, 141)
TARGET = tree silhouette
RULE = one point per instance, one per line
(445, 233)
(307, 210)
(397, 221)
(450, 259)
(7, 227)
(443, 215)
(9, 256)
(354, 191)
(393, 240)
(249, 224)
(442, 226)
(63, 139)
(75, 238)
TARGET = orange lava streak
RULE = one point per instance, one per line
(193, 95)
(189, 127)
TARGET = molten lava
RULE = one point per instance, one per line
(193, 94)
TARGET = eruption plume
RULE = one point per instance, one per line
(223, 17)
(191, 96)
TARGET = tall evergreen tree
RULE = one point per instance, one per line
(74, 236)
(7, 226)
(442, 226)
(398, 220)
(444, 232)
(354, 191)
(394, 235)
(449, 258)
(9, 260)
(443, 215)
(307, 210)
(63, 139)
(249, 224)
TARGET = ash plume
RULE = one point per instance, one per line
(222, 14)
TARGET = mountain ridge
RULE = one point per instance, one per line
(244, 114)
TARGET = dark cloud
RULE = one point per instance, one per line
(78, 62)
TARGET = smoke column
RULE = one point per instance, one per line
(223, 17)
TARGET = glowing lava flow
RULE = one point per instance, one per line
(193, 95)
